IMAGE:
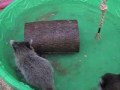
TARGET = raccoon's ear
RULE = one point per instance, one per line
(101, 81)
(31, 41)
(30, 44)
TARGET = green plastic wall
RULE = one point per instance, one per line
(77, 71)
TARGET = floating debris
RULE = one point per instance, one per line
(57, 66)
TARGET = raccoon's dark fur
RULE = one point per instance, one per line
(36, 70)
(110, 82)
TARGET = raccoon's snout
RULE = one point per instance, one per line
(12, 42)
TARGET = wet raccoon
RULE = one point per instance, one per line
(36, 70)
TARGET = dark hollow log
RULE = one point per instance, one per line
(59, 36)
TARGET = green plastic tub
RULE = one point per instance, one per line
(77, 71)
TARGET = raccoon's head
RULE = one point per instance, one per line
(21, 47)
(110, 82)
